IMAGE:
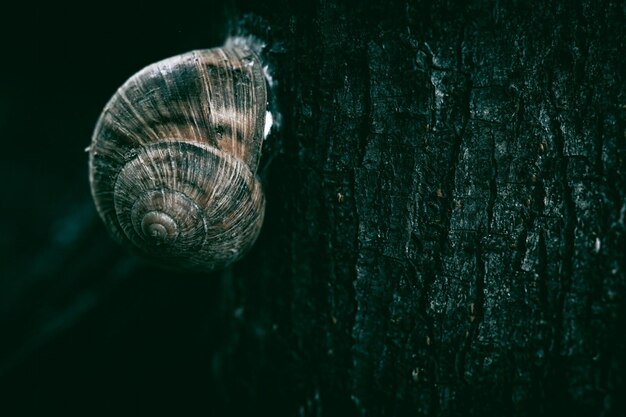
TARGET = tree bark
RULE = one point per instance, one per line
(444, 235)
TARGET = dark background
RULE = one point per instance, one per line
(85, 328)
(444, 232)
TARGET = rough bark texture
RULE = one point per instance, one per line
(445, 231)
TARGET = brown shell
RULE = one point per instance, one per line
(174, 156)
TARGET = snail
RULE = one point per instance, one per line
(174, 155)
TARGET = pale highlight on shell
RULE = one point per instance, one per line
(174, 156)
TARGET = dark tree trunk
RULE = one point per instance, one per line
(445, 231)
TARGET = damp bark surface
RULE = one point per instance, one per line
(445, 232)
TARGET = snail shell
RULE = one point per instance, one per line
(174, 155)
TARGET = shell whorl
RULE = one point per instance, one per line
(174, 156)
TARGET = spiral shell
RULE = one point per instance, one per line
(174, 155)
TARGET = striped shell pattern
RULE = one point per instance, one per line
(174, 156)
